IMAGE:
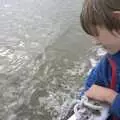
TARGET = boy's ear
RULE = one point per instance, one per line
(116, 14)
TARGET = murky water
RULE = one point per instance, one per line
(41, 51)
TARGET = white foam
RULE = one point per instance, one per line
(101, 52)
(93, 62)
(7, 5)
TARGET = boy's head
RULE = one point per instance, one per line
(101, 19)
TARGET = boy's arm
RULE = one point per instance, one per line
(106, 95)
(97, 75)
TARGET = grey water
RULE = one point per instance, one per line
(41, 49)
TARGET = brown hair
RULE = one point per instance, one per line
(99, 13)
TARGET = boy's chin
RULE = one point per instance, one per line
(112, 51)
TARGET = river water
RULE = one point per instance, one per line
(42, 49)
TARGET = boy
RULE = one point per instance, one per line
(101, 20)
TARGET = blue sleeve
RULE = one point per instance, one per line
(90, 79)
(115, 107)
(98, 75)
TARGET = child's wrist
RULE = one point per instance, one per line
(110, 96)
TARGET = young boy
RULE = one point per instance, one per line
(101, 20)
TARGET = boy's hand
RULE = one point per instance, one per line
(101, 94)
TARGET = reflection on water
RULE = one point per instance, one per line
(40, 41)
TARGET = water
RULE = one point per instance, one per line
(42, 49)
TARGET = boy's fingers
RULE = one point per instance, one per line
(88, 94)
